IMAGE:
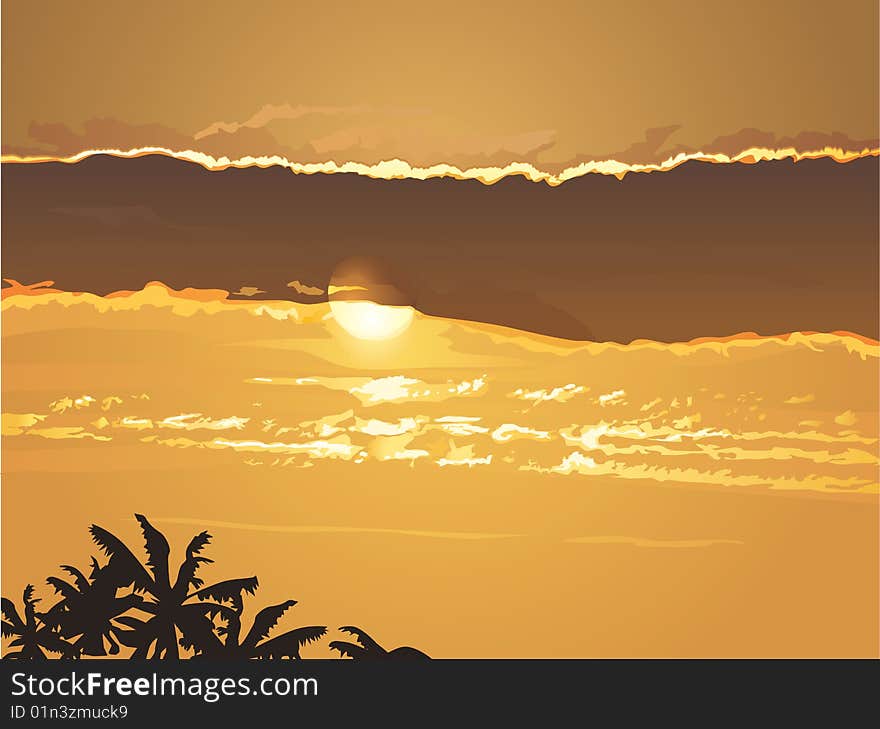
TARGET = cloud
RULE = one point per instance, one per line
(805, 141)
(848, 417)
(420, 137)
(248, 291)
(312, 529)
(427, 144)
(105, 133)
(801, 399)
(272, 112)
(244, 142)
(655, 147)
(612, 398)
(362, 134)
(563, 393)
(305, 289)
(653, 543)
(641, 152)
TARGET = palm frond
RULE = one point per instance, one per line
(65, 589)
(158, 551)
(287, 644)
(349, 650)
(55, 615)
(363, 638)
(211, 610)
(30, 607)
(264, 621)
(10, 612)
(82, 583)
(186, 575)
(198, 543)
(229, 591)
(123, 564)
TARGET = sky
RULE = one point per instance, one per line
(465, 83)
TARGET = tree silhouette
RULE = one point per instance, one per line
(31, 635)
(92, 618)
(172, 606)
(225, 641)
(87, 608)
(366, 648)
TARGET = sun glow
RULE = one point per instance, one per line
(374, 322)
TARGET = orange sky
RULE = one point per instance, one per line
(463, 83)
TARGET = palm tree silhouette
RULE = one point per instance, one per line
(172, 606)
(366, 648)
(207, 643)
(87, 608)
(31, 635)
(91, 618)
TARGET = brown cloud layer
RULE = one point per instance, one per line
(704, 250)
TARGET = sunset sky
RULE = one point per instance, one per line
(463, 83)
(547, 87)
(499, 329)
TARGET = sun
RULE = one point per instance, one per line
(372, 322)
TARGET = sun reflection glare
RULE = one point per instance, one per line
(374, 322)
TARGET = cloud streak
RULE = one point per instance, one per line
(653, 543)
(305, 289)
(312, 135)
(400, 169)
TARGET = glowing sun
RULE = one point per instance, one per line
(366, 320)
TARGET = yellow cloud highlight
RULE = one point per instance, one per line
(339, 289)
(18, 423)
(559, 394)
(613, 398)
(463, 456)
(64, 433)
(196, 421)
(337, 448)
(380, 427)
(801, 399)
(578, 463)
(400, 169)
(509, 431)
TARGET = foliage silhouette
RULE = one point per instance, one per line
(87, 608)
(368, 649)
(155, 616)
(255, 643)
(31, 635)
(172, 606)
